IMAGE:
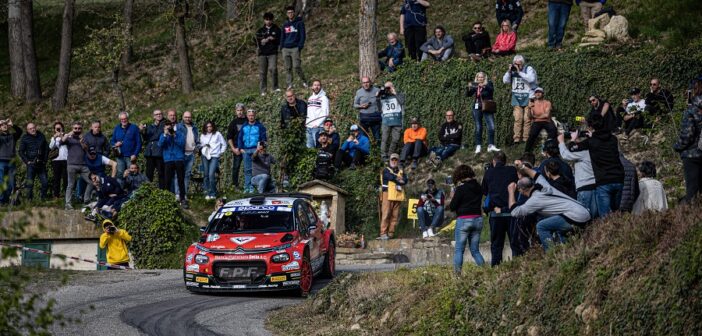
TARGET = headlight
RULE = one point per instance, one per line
(281, 257)
(201, 259)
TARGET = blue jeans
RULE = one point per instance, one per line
(546, 227)
(7, 170)
(587, 198)
(122, 165)
(188, 161)
(210, 167)
(467, 230)
(435, 220)
(557, 20)
(263, 182)
(312, 135)
(445, 152)
(489, 121)
(248, 169)
(40, 172)
(608, 197)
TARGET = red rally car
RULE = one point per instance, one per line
(267, 242)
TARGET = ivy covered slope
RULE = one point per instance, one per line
(568, 77)
(160, 230)
(623, 276)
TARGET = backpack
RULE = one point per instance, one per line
(324, 165)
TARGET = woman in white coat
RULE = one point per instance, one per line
(213, 146)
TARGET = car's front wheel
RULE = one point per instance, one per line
(306, 276)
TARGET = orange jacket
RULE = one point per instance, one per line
(412, 135)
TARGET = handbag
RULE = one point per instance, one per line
(53, 153)
(489, 106)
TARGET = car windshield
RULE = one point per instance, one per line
(252, 219)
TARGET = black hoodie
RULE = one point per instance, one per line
(604, 152)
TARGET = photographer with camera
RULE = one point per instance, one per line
(430, 209)
(75, 162)
(524, 82)
(602, 107)
(324, 163)
(559, 214)
(584, 177)
(540, 110)
(133, 179)
(392, 181)
(8, 140)
(126, 143)
(115, 241)
(262, 162)
(172, 145)
(34, 151)
(354, 151)
(391, 105)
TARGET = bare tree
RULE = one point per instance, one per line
(180, 11)
(64, 72)
(127, 15)
(232, 13)
(303, 7)
(33, 88)
(14, 28)
(367, 30)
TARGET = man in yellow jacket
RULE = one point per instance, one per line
(115, 240)
(392, 179)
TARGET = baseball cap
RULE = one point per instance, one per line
(327, 119)
(539, 89)
(431, 182)
(92, 150)
(394, 156)
(634, 91)
(323, 134)
(354, 127)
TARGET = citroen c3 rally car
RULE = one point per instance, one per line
(268, 242)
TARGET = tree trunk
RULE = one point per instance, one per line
(118, 90)
(303, 7)
(367, 30)
(31, 74)
(64, 72)
(232, 14)
(128, 52)
(186, 77)
(14, 29)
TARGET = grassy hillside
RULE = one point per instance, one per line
(223, 65)
(623, 276)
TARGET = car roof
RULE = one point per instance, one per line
(252, 201)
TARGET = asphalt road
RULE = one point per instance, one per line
(157, 303)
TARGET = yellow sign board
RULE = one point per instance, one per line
(412, 208)
(279, 278)
(202, 279)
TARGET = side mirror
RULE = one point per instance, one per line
(312, 228)
(203, 228)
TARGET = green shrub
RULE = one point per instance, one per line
(160, 231)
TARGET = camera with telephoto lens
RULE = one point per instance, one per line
(111, 229)
(383, 92)
(514, 71)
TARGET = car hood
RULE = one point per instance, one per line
(247, 241)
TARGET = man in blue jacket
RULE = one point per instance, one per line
(394, 54)
(250, 135)
(172, 145)
(291, 44)
(127, 140)
(354, 151)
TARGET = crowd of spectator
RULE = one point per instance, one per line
(529, 202)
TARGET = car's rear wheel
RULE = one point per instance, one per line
(306, 276)
(329, 268)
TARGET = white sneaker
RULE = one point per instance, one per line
(425, 234)
(263, 93)
(477, 149)
(492, 148)
(177, 197)
(430, 232)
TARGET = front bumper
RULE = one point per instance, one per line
(208, 283)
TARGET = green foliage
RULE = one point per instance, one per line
(160, 231)
(105, 46)
(673, 22)
(619, 277)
